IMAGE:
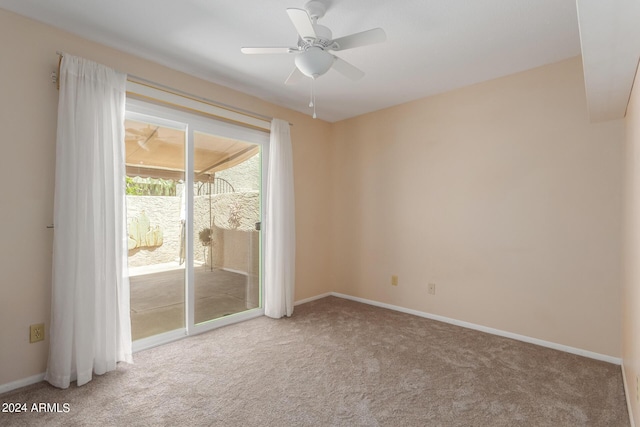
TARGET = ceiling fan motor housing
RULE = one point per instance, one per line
(316, 9)
(323, 35)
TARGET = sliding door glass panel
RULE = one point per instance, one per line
(155, 163)
(226, 217)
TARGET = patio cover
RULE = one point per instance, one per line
(158, 152)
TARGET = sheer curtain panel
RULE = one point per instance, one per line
(90, 327)
(280, 238)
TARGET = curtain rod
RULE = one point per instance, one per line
(136, 79)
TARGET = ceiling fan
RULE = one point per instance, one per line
(315, 41)
(145, 136)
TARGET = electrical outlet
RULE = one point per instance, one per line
(432, 288)
(394, 280)
(36, 332)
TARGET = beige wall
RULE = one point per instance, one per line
(28, 103)
(631, 251)
(502, 194)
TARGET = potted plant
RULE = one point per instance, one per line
(205, 236)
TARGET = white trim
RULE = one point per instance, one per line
(306, 300)
(159, 339)
(148, 92)
(199, 328)
(498, 332)
(219, 322)
(4, 388)
(146, 343)
(627, 395)
(189, 283)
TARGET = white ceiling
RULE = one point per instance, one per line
(433, 45)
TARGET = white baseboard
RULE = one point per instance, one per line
(518, 337)
(627, 395)
(4, 388)
(615, 360)
(306, 300)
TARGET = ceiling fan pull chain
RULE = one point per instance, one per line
(313, 97)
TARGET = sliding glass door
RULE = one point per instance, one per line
(226, 218)
(155, 166)
(194, 197)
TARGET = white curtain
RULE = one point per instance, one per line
(280, 239)
(90, 327)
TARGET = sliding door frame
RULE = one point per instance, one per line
(200, 123)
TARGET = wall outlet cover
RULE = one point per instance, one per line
(36, 332)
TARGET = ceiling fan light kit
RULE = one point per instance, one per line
(314, 62)
(315, 41)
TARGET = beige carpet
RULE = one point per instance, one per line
(341, 363)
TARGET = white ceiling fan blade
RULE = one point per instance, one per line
(346, 69)
(143, 145)
(266, 50)
(377, 35)
(295, 76)
(302, 22)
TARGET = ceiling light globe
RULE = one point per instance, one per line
(314, 62)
